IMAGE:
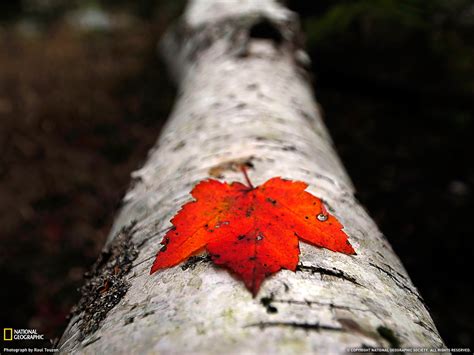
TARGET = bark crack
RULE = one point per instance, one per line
(330, 272)
(306, 326)
(398, 282)
(192, 262)
(268, 303)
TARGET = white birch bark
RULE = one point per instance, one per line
(244, 98)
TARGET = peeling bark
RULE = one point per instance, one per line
(244, 96)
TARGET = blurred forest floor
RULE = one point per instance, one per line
(83, 97)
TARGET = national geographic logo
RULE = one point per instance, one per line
(7, 334)
(10, 334)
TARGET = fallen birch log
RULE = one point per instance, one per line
(243, 98)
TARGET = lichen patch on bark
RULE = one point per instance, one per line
(106, 285)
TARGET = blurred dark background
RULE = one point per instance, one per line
(83, 97)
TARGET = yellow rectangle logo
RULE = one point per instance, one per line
(7, 333)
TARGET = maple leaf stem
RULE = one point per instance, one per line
(244, 171)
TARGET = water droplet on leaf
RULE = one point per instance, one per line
(221, 223)
(322, 217)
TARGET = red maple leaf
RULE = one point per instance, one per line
(252, 231)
